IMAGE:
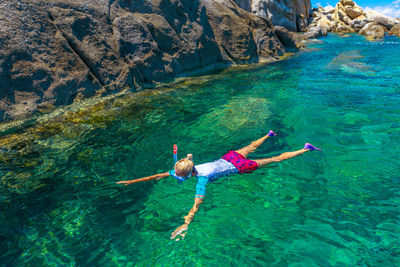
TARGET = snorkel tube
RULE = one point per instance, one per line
(172, 173)
(175, 153)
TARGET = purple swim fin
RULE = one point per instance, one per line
(271, 133)
(310, 147)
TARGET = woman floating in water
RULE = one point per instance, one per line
(231, 163)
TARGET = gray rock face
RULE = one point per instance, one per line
(291, 14)
(55, 52)
(314, 32)
(287, 38)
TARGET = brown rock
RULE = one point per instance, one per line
(38, 67)
(385, 21)
(373, 31)
(347, 2)
(91, 39)
(354, 11)
(242, 37)
(395, 30)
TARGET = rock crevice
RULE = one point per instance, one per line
(79, 53)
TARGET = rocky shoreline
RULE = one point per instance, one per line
(348, 17)
(54, 53)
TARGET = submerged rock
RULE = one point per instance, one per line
(57, 52)
(351, 62)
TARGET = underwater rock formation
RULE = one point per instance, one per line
(57, 52)
(348, 17)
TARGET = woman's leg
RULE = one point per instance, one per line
(281, 157)
(245, 151)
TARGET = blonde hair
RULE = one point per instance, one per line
(184, 167)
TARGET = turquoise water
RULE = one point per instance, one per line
(339, 207)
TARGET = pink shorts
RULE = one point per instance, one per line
(242, 164)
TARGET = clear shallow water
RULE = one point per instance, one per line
(340, 207)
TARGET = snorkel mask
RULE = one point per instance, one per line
(172, 173)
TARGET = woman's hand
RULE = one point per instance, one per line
(180, 231)
(125, 182)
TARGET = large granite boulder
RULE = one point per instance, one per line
(358, 23)
(373, 31)
(313, 32)
(383, 20)
(345, 12)
(55, 52)
(353, 11)
(395, 30)
(325, 25)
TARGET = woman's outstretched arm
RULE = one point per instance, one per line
(145, 179)
(181, 230)
(200, 193)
